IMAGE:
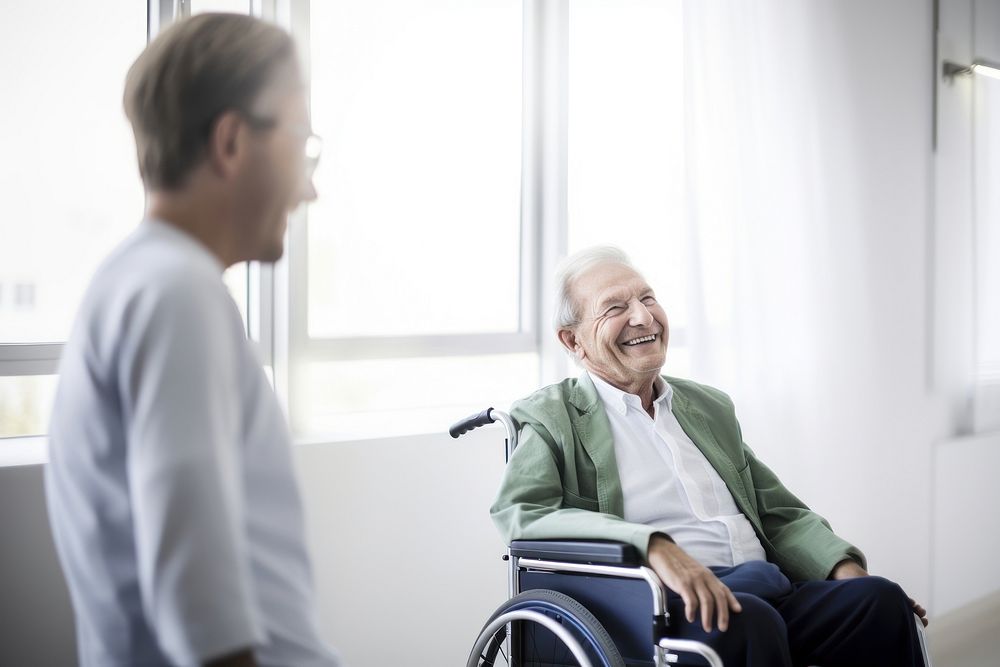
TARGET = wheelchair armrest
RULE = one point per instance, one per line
(593, 552)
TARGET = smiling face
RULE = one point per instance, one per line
(622, 333)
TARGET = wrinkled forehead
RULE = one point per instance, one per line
(608, 282)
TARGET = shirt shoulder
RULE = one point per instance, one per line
(154, 285)
(159, 261)
(156, 270)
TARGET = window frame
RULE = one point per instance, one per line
(277, 294)
(543, 229)
(42, 358)
(970, 391)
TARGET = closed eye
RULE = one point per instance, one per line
(614, 310)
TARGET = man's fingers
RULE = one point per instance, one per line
(690, 605)
(734, 604)
(919, 611)
(722, 608)
(706, 616)
(707, 601)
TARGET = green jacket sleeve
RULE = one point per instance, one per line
(802, 542)
(532, 503)
(796, 539)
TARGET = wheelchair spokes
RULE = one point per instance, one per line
(548, 629)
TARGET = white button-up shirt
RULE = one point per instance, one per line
(669, 484)
(170, 483)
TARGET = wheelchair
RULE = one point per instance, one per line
(578, 603)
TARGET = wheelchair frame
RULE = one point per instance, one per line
(664, 649)
(662, 645)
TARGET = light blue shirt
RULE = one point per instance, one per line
(170, 484)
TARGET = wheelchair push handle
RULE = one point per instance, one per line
(463, 426)
(489, 416)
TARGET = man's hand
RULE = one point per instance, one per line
(848, 569)
(695, 583)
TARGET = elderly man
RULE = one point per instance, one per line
(623, 453)
(170, 484)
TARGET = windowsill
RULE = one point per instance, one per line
(392, 425)
(364, 427)
(24, 451)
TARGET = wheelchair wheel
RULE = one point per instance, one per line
(548, 629)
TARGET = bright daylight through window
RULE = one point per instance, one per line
(410, 294)
(68, 176)
(416, 233)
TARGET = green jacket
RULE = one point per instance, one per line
(562, 481)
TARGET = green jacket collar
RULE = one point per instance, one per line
(594, 432)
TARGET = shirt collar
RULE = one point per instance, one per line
(621, 402)
(163, 228)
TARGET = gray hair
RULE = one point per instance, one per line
(567, 313)
(194, 71)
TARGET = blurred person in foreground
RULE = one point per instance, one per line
(170, 484)
(624, 453)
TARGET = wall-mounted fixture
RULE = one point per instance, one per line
(983, 67)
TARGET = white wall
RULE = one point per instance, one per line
(966, 524)
(407, 560)
(36, 621)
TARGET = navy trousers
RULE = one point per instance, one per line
(864, 622)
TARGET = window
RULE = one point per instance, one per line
(67, 178)
(964, 346)
(416, 288)
(65, 133)
(236, 277)
(987, 230)
(231, 6)
(24, 404)
(24, 296)
(986, 234)
(419, 106)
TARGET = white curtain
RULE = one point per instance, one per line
(754, 209)
(808, 191)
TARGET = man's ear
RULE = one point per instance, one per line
(568, 338)
(225, 140)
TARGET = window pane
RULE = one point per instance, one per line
(987, 208)
(626, 142)
(235, 278)
(385, 396)
(68, 178)
(416, 230)
(232, 6)
(26, 404)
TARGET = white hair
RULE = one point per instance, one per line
(567, 313)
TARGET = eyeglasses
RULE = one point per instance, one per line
(312, 147)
